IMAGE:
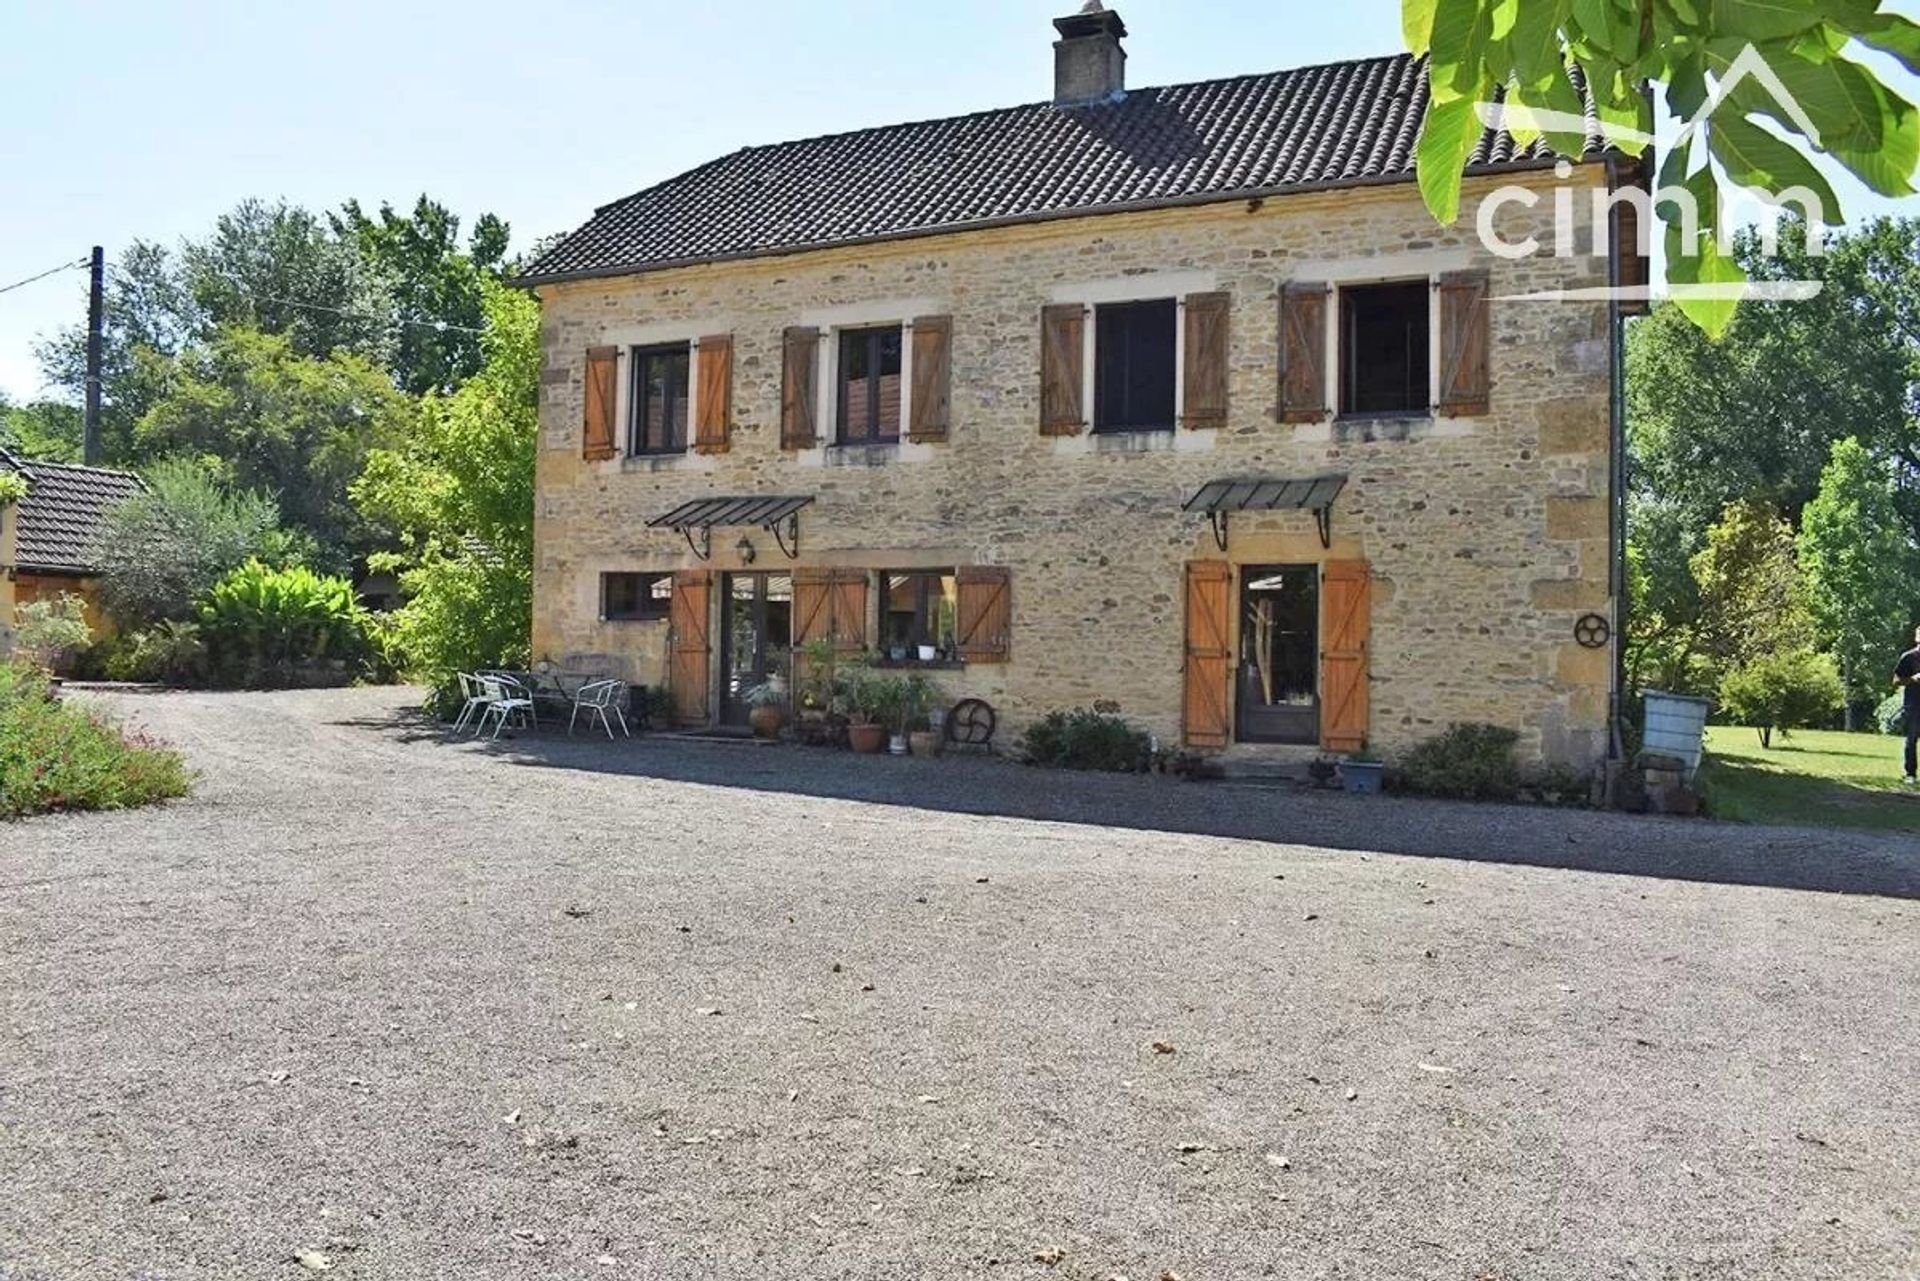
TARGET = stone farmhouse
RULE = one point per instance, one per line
(1176, 399)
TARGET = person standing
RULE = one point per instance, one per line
(1906, 676)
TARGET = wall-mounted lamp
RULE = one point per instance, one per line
(745, 549)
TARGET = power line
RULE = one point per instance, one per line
(438, 326)
(75, 265)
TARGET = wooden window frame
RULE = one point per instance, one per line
(637, 359)
(1101, 423)
(1345, 372)
(872, 336)
(651, 609)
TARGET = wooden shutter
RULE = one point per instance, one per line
(932, 378)
(596, 437)
(1346, 625)
(849, 610)
(1303, 352)
(812, 614)
(1463, 343)
(1062, 370)
(799, 399)
(1209, 658)
(690, 645)
(716, 395)
(1204, 396)
(983, 621)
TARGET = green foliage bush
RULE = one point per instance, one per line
(159, 551)
(1468, 762)
(170, 653)
(49, 632)
(1792, 689)
(1891, 716)
(1085, 739)
(266, 627)
(55, 756)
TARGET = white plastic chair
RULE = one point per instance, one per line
(472, 700)
(505, 698)
(599, 697)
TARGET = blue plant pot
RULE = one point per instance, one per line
(1362, 776)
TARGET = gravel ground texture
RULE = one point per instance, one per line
(379, 1004)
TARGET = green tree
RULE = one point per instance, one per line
(1521, 48)
(43, 429)
(161, 549)
(1862, 568)
(458, 489)
(296, 427)
(431, 287)
(1753, 598)
(1788, 690)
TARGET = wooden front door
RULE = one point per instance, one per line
(690, 658)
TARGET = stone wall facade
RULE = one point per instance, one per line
(1488, 537)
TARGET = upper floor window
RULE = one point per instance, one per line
(660, 400)
(869, 385)
(1133, 365)
(1385, 336)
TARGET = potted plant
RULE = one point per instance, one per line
(861, 695)
(768, 704)
(917, 700)
(928, 653)
(1362, 772)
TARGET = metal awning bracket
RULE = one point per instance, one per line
(792, 524)
(1218, 519)
(703, 549)
(1323, 519)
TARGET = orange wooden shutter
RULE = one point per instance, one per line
(691, 647)
(1062, 370)
(716, 395)
(799, 402)
(983, 614)
(1303, 352)
(1346, 608)
(812, 614)
(1209, 658)
(849, 606)
(1204, 397)
(1464, 343)
(596, 438)
(932, 378)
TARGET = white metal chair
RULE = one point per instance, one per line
(598, 698)
(505, 698)
(472, 700)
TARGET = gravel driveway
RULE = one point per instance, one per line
(412, 1009)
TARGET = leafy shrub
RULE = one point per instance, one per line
(54, 756)
(169, 652)
(1793, 689)
(1085, 739)
(1891, 716)
(161, 550)
(48, 632)
(1468, 762)
(269, 627)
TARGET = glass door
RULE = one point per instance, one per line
(1278, 684)
(756, 639)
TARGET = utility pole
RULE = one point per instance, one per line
(96, 306)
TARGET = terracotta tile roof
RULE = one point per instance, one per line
(60, 516)
(1346, 124)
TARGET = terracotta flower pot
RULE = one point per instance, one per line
(925, 742)
(867, 738)
(766, 721)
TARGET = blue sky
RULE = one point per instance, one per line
(121, 120)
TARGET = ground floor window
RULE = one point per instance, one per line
(917, 610)
(1278, 685)
(635, 597)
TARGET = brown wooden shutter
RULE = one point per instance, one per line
(596, 437)
(1346, 606)
(849, 609)
(1062, 370)
(716, 395)
(1209, 657)
(983, 615)
(1303, 352)
(799, 400)
(812, 615)
(1464, 343)
(690, 645)
(1204, 396)
(932, 378)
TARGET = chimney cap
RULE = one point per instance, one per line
(1093, 19)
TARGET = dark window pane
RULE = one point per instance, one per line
(660, 399)
(869, 391)
(1384, 353)
(1133, 347)
(917, 608)
(635, 597)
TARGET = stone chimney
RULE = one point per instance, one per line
(1089, 65)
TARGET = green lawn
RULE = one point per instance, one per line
(1813, 778)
